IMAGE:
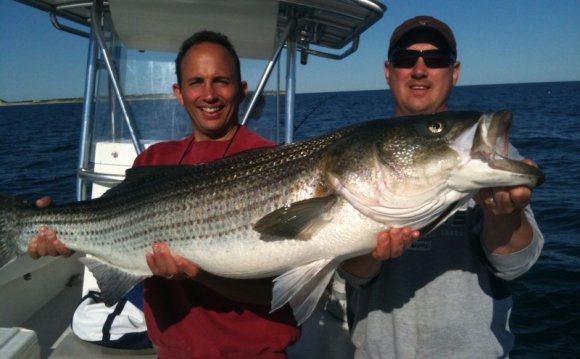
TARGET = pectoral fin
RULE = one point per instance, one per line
(302, 287)
(113, 282)
(298, 220)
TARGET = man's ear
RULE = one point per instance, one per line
(386, 70)
(456, 70)
(177, 93)
(244, 89)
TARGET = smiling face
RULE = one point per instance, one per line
(210, 91)
(420, 89)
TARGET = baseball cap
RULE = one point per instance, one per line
(424, 25)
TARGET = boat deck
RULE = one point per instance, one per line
(323, 336)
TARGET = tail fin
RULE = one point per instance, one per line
(9, 248)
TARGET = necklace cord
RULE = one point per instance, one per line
(190, 144)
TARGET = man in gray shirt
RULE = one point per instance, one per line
(441, 295)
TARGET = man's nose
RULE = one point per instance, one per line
(209, 93)
(420, 69)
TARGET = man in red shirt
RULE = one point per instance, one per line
(191, 313)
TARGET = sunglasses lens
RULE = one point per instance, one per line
(405, 59)
(434, 59)
(438, 60)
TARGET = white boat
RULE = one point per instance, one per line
(127, 39)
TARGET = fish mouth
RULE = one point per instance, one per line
(491, 144)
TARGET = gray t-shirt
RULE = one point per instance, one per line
(445, 297)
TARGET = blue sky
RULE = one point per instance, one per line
(499, 41)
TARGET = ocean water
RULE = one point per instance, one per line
(39, 145)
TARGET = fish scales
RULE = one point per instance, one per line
(107, 224)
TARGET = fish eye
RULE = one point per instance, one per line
(436, 126)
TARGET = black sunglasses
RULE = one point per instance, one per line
(434, 59)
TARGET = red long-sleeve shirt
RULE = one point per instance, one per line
(185, 319)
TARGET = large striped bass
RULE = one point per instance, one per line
(294, 211)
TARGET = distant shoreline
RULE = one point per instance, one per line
(41, 102)
(80, 99)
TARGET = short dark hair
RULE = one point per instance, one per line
(206, 36)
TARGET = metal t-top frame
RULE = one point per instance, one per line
(305, 27)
